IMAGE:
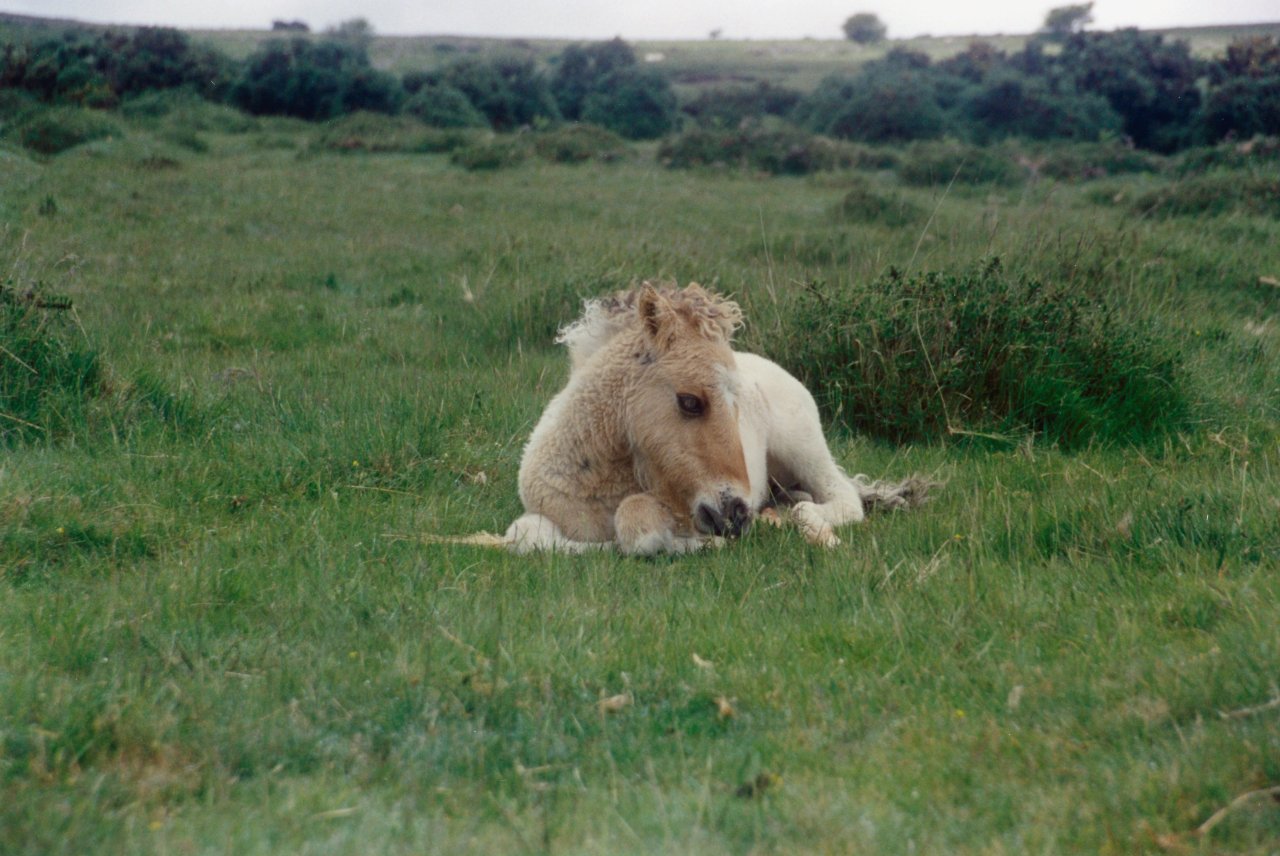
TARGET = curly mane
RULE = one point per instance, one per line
(711, 315)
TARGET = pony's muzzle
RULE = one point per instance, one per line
(729, 520)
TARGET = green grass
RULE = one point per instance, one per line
(221, 631)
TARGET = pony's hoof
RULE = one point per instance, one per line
(823, 537)
(770, 516)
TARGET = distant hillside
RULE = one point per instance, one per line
(797, 63)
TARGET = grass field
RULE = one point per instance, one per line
(221, 629)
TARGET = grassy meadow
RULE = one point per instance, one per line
(222, 629)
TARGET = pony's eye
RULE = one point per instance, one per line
(690, 405)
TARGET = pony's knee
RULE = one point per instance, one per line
(644, 528)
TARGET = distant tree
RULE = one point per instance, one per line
(290, 26)
(865, 28)
(1065, 20)
(357, 32)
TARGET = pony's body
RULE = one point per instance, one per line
(664, 438)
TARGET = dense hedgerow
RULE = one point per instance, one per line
(47, 371)
(929, 355)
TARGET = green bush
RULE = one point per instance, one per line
(497, 153)
(313, 80)
(443, 106)
(47, 372)
(1254, 154)
(581, 69)
(578, 143)
(780, 152)
(56, 129)
(928, 164)
(185, 110)
(732, 106)
(881, 103)
(636, 103)
(931, 355)
(864, 203)
(375, 132)
(1214, 194)
(1083, 161)
(509, 91)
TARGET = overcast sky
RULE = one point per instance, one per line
(652, 19)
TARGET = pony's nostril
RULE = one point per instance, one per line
(738, 515)
(709, 520)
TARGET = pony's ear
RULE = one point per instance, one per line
(653, 310)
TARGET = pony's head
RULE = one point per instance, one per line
(683, 418)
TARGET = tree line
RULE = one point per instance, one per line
(1128, 84)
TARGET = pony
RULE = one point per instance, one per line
(665, 439)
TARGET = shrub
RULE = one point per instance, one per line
(98, 69)
(883, 103)
(863, 203)
(318, 80)
(786, 152)
(1095, 160)
(374, 132)
(498, 153)
(732, 106)
(580, 70)
(1250, 154)
(635, 103)
(578, 143)
(46, 371)
(1152, 84)
(1243, 107)
(443, 106)
(1008, 103)
(184, 110)
(51, 131)
(930, 355)
(925, 164)
(509, 91)
(1214, 194)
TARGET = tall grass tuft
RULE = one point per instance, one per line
(47, 371)
(979, 352)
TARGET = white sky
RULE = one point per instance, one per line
(652, 19)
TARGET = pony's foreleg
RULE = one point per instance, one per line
(535, 532)
(644, 527)
(835, 503)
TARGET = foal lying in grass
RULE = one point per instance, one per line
(665, 439)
